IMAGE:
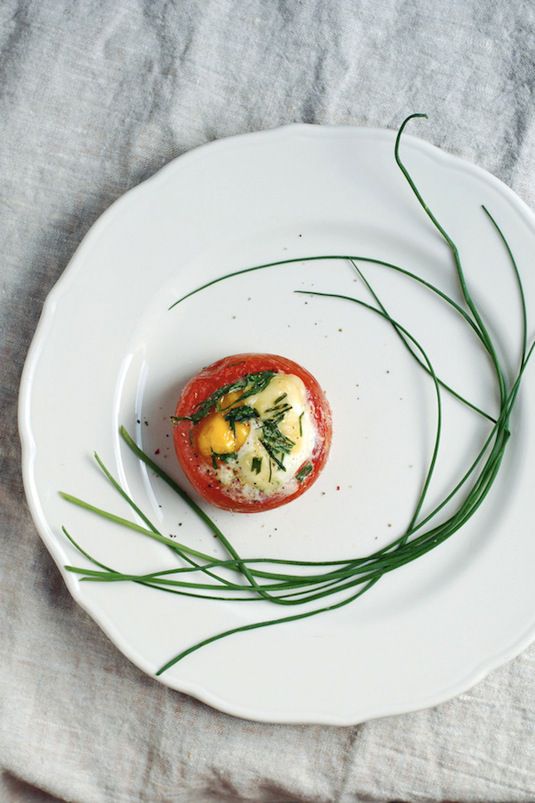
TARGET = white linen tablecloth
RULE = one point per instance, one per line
(95, 96)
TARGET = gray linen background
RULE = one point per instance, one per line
(94, 97)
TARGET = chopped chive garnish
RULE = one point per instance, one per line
(275, 439)
(301, 424)
(280, 398)
(275, 442)
(250, 384)
(224, 457)
(279, 409)
(243, 413)
(256, 465)
(272, 455)
(303, 472)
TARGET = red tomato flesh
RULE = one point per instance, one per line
(198, 468)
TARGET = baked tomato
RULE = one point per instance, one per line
(252, 432)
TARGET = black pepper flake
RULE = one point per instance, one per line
(138, 421)
(156, 451)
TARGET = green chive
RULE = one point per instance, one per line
(324, 578)
(303, 472)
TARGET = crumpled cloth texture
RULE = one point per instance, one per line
(95, 96)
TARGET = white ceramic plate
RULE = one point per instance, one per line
(108, 352)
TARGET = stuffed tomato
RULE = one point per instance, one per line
(252, 432)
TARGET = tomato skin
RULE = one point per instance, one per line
(224, 372)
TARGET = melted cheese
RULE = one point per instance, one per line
(297, 425)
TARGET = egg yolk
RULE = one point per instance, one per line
(215, 433)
